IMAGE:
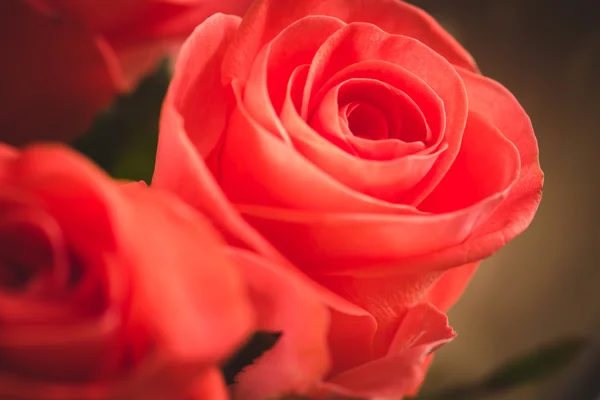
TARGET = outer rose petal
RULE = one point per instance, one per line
(202, 314)
(97, 14)
(210, 386)
(284, 304)
(7, 154)
(422, 330)
(156, 29)
(385, 298)
(90, 51)
(204, 301)
(490, 99)
(477, 173)
(129, 19)
(448, 289)
(158, 380)
(275, 64)
(56, 73)
(179, 167)
(443, 294)
(266, 18)
(58, 177)
(196, 91)
(140, 32)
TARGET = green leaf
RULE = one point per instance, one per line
(123, 140)
(260, 342)
(529, 368)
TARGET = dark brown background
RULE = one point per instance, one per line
(545, 284)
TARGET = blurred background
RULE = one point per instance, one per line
(545, 285)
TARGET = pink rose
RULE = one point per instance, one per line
(358, 140)
(64, 61)
(120, 292)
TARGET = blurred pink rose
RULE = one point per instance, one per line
(65, 60)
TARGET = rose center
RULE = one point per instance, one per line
(32, 255)
(376, 110)
(22, 255)
(366, 121)
(13, 276)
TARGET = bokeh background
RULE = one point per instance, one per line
(545, 285)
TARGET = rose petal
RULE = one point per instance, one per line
(7, 154)
(203, 313)
(64, 352)
(168, 20)
(133, 346)
(165, 376)
(502, 110)
(141, 32)
(156, 31)
(268, 80)
(94, 13)
(350, 329)
(210, 386)
(284, 304)
(42, 269)
(179, 167)
(58, 71)
(180, 170)
(365, 120)
(477, 173)
(266, 18)
(405, 122)
(385, 298)
(422, 330)
(59, 178)
(197, 75)
(450, 287)
(122, 19)
(157, 379)
(389, 244)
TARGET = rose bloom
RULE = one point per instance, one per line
(65, 60)
(111, 291)
(359, 140)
